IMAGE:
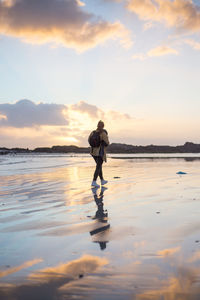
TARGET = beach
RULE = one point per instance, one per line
(138, 238)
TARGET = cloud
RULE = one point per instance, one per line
(176, 287)
(162, 50)
(34, 125)
(91, 110)
(27, 124)
(86, 263)
(184, 15)
(157, 51)
(86, 116)
(25, 265)
(139, 56)
(148, 25)
(80, 3)
(195, 257)
(48, 283)
(59, 22)
(117, 116)
(195, 45)
(3, 117)
(168, 252)
(25, 113)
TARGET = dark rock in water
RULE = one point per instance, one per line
(181, 173)
(158, 212)
(197, 241)
(80, 275)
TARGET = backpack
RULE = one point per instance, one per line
(94, 139)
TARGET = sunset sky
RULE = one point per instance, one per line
(65, 64)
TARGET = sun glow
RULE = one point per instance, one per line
(69, 139)
(80, 120)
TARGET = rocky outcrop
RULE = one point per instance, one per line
(188, 147)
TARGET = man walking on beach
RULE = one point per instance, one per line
(98, 141)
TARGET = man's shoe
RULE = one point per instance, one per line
(103, 182)
(95, 184)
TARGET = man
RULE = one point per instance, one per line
(98, 140)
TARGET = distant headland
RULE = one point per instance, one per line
(188, 147)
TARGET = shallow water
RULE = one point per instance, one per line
(137, 239)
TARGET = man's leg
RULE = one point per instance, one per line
(100, 163)
(98, 170)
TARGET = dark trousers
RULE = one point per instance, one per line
(98, 170)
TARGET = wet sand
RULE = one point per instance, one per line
(137, 239)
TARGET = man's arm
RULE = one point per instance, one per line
(105, 138)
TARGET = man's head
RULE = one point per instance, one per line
(100, 125)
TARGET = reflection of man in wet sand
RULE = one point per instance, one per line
(98, 141)
(101, 216)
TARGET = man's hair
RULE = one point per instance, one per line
(100, 122)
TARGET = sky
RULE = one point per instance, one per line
(65, 64)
